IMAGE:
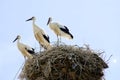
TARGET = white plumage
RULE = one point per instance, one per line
(40, 35)
(59, 30)
(24, 49)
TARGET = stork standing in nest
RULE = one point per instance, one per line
(40, 35)
(59, 30)
(27, 51)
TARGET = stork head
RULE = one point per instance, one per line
(18, 37)
(32, 18)
(49, 20)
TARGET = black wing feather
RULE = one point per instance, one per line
(46, 38)
(66, 30)
(30, 51)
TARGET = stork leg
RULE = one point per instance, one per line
(60, 39)
(40, 48)
(57, 40)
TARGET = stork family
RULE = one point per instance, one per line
(42, 38)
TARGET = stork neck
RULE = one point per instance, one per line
(33, 22)
(18, 41)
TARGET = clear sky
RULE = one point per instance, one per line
(94, 22)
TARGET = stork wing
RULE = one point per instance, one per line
(30, 50)
(65, 29)
(46, 37)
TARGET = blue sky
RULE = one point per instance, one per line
(94, 22)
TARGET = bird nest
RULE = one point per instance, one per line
(65, 63)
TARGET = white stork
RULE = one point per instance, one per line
(27, 51)
(40, 35)
(59, 30)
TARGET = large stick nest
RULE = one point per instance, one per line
(65, 63)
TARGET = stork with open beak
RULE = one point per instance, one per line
(27, 51)
(59, 30)
(40, 35)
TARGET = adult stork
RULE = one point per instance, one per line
(59, 30)
(27, 51)
(40, 35)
